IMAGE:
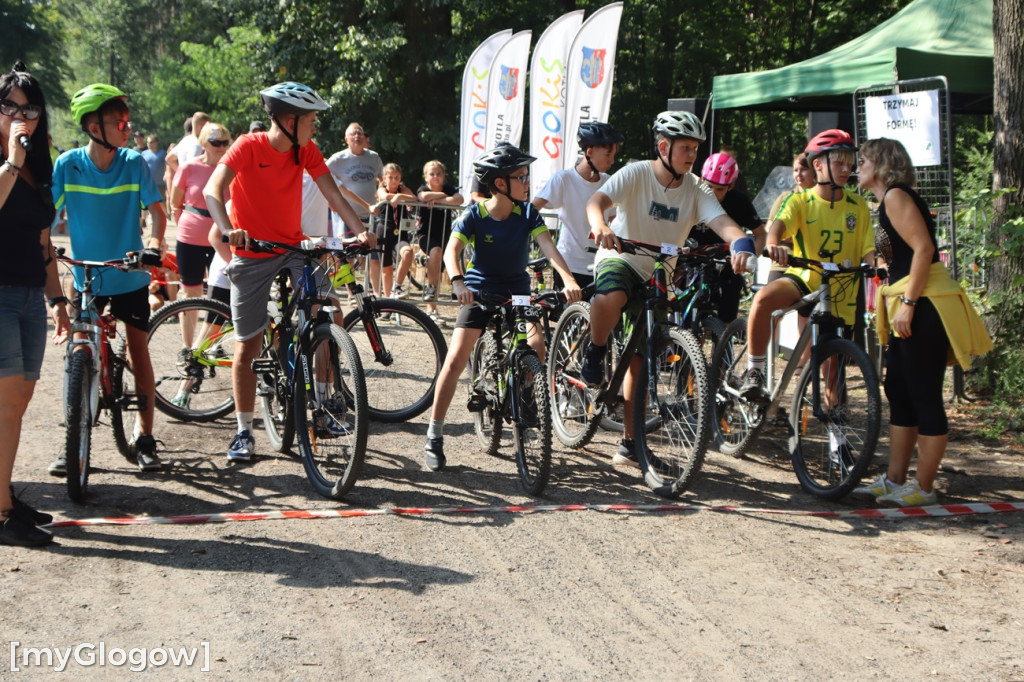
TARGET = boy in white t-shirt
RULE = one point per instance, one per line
(657, 202)
(570, 190)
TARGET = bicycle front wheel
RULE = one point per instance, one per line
(407, 355)
(676, 399)
(573, 414)
(122, 386)
(532, 427)
(832, 446)
(483, 382)
(192, 346)
(78, 418)
(735, 422)
(331, 411)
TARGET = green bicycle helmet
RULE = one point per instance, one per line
(91, 98)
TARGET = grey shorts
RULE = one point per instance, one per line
(251, 279)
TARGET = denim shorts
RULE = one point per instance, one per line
(23, 339)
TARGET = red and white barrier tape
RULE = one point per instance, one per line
(938, 510)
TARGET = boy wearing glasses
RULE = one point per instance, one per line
(104, 186)
(500, 229)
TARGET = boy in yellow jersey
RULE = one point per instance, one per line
(826, 223)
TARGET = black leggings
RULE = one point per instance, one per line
(915, 370)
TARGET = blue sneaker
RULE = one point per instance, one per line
(329, 426)
(242, 448)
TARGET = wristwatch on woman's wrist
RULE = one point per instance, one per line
(904, 299)
(56, 300)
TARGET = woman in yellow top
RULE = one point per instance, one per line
(929, 317)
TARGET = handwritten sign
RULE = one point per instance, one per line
(912, 118)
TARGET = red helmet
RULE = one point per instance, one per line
(827, 141)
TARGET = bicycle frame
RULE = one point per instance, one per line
(822, 325)
(92, 332)
(656, 300)
(508, 322)
(305, 297)
(697, 300)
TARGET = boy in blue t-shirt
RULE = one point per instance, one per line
(500, 229)
(104, 186)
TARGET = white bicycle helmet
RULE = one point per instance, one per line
(676, 124)
(291, 98)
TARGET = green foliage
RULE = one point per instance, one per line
(1002, 371)
(222, 79)
(28, 31)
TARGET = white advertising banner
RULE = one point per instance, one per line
(590, 72)
(547, 97)
(474, 105)
(911, 118)
(506, 91)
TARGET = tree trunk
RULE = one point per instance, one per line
(1007, 275)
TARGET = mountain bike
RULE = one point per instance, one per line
(310, 378)
(507, 385)
(97, 376)
(194, 377)
(672, 395)
(835, 413)
(696, 291)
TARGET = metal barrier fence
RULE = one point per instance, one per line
(421, 228)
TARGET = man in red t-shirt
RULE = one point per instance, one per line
(266, 203)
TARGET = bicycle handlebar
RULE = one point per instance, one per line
(833, 268)
(312, 247)
(132, 260)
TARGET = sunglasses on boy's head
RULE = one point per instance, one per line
(29, 112)
(218, 143)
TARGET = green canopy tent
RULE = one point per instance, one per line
(951, 38)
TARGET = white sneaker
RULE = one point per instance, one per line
(880, 486)
(399, 292)
(909, 495)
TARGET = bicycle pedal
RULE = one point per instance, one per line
(261, 365)
(477, 403)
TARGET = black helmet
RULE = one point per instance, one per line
(598, 134)
(500, 162)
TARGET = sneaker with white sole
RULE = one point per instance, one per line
(146, 458)
(429, 293)
(242, 448)
(399, 292)
(909, 495)
(753, 386)
(626, 454)
(880, 486)
(59, 466)
(329, 426)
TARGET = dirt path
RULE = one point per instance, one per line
(559, 595)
